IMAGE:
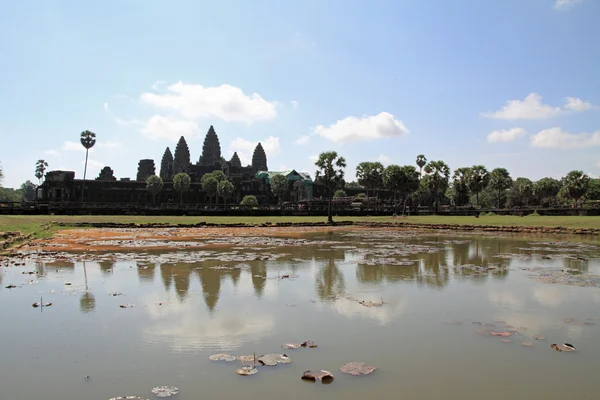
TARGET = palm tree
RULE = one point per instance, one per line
(421, 162)
(40, 168)
(438, 174)
(500, 180)
(88, 140)
(330, 172)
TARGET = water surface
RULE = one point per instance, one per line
(435, 290)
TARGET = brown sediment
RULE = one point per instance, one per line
(190, 236)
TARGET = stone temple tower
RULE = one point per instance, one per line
(211, 150)
(181, 161)
(259, 158)
(166, 166)
(145, 169)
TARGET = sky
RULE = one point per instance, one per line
(503, 83)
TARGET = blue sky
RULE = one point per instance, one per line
(511, 83)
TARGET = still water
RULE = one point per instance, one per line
(189, 304)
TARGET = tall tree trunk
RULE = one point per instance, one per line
(84, 173)
(329, 217)
(180, 197)
(498, 199)
(477, 199)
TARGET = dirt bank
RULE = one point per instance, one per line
(112, 236)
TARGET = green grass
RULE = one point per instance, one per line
(37, 224)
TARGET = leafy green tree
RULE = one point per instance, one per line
(438, 174)
(40, 168)
(88, 140)
(521, 192)
(280, 186)
(181, 184)
(249, 200)
(11, 195)
(330, 172)
(460, 189)
(210, 185)
(421, 162)
(218, 175)
(28, 190)
(402, 181)
(575, 185)
(353, 185)
(361, 196)
(369, 174)
(478, 179)
(500, 181)
(593, 192)
(154, 184)
(225, 190)
(339, 193)
(545, 191)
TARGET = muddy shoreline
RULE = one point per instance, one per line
(99, 237)
(485, 228)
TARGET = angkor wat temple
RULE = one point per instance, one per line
(61, 186)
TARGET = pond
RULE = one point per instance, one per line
(440, 316)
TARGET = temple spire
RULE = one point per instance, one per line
(166, 165)
(235, 161)
(181, 161)
(259, 158)
(211, 150)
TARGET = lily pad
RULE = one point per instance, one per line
(527, 344)
(309, 343)
(10, 286)
(357, 368)
(567, 347)
(246, 371)
(505, 340)
(126, 305)
(539, 337)
(271, 360)
(504, 334)
(222, 357)
(248, 359)
(36, 304)
(165, 391)
(321, 375)
(291, 346)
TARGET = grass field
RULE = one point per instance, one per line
(39, 224)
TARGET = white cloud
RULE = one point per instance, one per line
(94, 164)
(507, 135)
(52, 153)
(159, 127)
(302, 140)
(294, 104)
(557, 138)
(533, 108)
(530, 108)
(109, 145)
(566, 4)
(245, 148)
(224, 102)
(382, 125)
(383, 159)
(574, 104)
(123, 122)
(106, 108)
(73, 146)
(157, 85)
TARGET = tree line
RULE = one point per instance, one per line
(434, 184)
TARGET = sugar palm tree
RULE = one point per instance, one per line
(421, 161)
(88, 140)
